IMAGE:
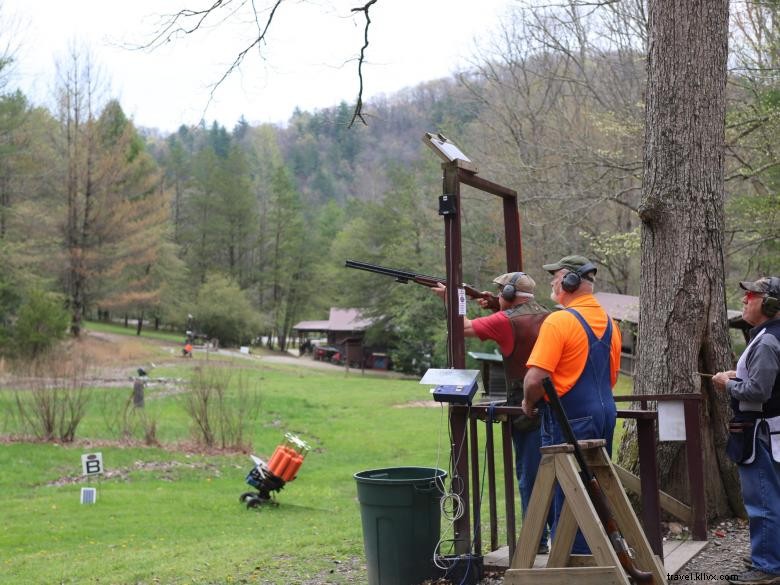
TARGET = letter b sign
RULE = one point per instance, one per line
(92, 463)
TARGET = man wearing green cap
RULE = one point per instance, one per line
(514, 327)
(579, 349)
(754, 431)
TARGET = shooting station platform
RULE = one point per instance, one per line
(602, 566)
(677, 553)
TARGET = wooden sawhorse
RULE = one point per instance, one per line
(602, 567)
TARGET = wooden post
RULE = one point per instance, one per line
(456, 349)
(138, 394)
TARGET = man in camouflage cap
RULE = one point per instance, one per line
(514, 327)
(754, 431)
(579, 349)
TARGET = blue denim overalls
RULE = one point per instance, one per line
(590, 408)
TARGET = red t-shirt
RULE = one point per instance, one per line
(495, 327)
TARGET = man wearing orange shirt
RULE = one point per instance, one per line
(579, 348)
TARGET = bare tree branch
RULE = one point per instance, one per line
(358, 112)
(187, 21)
(263, 31)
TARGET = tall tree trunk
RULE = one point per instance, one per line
(140, 324)
(75, 253)
(83, 242)
(683, 327)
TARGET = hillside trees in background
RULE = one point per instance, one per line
(554, 109)
(753, 127)
(214, 211)
(561, 122)
(402, 231)
(561, 93)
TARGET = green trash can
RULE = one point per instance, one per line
(399, 508)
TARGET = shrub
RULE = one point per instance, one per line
(128, 422)
(221, 418)
(41, 321)
(54, 405)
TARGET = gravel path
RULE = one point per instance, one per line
(729, 542)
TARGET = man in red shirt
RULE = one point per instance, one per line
(515, 327)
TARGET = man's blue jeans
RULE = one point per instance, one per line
(527, 457)
(761, 492)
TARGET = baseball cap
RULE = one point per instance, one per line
(765, 285)
(573, 263)
(523, 284)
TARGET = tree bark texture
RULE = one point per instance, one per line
(683, 326)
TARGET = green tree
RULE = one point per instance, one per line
(286, 256)
(239, 209)
(222, 310)
(203, 221)
(13, 145)
(178, 174)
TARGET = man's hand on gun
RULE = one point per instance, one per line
(489, 301)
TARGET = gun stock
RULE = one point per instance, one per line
(596, 494)
(404, 277)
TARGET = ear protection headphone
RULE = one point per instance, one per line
(771, 305)
(571, 280)
(509, 292)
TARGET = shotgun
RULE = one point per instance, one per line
(595, 493)
(404, 277)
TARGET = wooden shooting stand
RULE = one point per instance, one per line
(602, 567)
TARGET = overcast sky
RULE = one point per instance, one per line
(306, 62)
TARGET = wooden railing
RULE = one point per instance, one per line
(465, 422)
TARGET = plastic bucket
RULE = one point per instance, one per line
(399, 509)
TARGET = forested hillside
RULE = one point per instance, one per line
(247, 228)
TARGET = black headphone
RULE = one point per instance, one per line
(509, 292)
(771, 305)
(571, 280)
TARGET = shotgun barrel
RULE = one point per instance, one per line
(404, 276)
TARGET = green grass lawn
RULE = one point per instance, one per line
(168, 516)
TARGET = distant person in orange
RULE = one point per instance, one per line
(187, 351)
(579, 348)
